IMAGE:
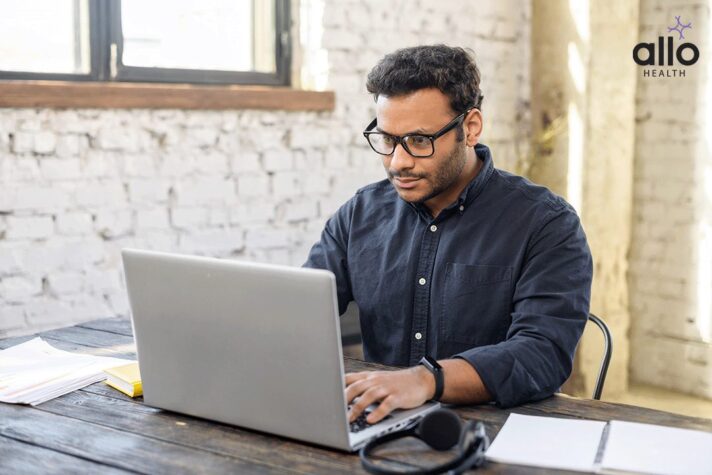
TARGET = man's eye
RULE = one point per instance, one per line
(418, 141)
(387, 140)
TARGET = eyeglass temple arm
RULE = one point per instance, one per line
(372, 124)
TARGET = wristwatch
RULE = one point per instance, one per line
(437, 371)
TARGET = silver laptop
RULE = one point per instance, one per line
(254, 345)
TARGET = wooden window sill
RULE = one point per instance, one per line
(115, 95)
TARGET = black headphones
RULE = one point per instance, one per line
(441, 430)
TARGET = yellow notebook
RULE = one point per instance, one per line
(126, 379)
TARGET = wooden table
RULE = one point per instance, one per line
(99, 430)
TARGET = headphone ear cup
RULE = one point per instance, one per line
(468, 435)
(440, 429)
(473, 445)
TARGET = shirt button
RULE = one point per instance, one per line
(418, 336)
(462, 208)
(421, 281)
(433, 228)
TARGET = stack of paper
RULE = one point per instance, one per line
(34, 372)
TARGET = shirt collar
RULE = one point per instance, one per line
(473, 189)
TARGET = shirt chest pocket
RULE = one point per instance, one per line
(476, 302)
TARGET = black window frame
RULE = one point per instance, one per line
(106, 49)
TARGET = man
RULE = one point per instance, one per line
(450, 257)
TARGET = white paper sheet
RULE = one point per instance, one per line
(569, 444)
(34, 372)
(654, 449)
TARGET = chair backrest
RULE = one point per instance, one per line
(607, 351)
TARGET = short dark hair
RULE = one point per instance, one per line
(452, 70)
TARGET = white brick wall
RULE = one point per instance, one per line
(671, 250)
(78, 185)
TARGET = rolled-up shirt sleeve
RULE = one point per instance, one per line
(549, 312)
(330, 253)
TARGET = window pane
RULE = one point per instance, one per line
(224, 35)
(45, 36)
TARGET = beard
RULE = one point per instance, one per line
(441, 179)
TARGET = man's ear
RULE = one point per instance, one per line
(473, 127)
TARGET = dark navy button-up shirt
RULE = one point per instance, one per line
(501, 278)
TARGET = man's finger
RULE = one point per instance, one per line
(353, 377)
(356, 389)
(372, 395)
(384, 408)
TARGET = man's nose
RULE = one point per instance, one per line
(400, 159)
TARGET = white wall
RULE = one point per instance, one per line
(671, 252)
(78, 185)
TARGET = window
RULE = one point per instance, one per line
(45, 39)
(175, 41)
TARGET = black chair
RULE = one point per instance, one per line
(607, 351)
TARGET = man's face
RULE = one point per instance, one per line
(424, 112)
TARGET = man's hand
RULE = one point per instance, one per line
(402, 389)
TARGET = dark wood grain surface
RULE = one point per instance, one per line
(100, 430)
(129, 95)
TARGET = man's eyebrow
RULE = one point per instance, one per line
(419, 131)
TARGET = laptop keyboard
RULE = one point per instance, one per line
(360, 423)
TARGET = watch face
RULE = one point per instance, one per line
(432, 362)
(437, 371)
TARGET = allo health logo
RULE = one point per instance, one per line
(666, 58)
(680, 28)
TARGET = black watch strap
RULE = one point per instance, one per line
(437, 370)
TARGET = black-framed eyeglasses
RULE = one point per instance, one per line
(418, 145)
